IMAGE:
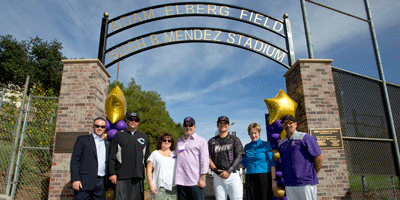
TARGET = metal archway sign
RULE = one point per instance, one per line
(165, 37)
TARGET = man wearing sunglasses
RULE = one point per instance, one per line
(301, 161)
(225, 156)
(191, 163)
(89, 163)
(128, 152)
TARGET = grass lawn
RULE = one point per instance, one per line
(379, 182)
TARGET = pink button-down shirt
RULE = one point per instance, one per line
(192, 160)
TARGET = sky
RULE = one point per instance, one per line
(206, 80)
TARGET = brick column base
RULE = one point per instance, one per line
(310, 83)
(84, 89)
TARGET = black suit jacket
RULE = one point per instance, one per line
(84, 161)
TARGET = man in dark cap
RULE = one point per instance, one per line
(128, 153)
(301, 161)
(225, 156)
(191, 163)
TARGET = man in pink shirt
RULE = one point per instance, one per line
(191, 163)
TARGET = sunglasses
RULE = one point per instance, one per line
(187, 125)
(134, 119)
(164, 140)
(223, 123)
(97, 126)
(287, 123)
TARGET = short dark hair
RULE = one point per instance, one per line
(160, 140)
(99, 118)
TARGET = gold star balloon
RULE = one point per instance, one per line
(280, 106)
(115, 105)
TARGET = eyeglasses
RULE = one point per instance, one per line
(134, 119)
(223, 123)
(164, 140)
(287, 123)
(187, 125)
(97, 126)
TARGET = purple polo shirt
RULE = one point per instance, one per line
(191, 161)
(297, 156)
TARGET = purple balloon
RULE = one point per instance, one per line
(273, 136)
(277, 126)
(110, 134)
(278, 162)
(278, 174)
(284, 198)
(270, 128)
(108, 125)
(281, 182)
(120, 125)
(273, 144)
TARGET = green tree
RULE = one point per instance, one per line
(39, 59)
(154, 118)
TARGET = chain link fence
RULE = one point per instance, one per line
(8, 124)
(31, 175)
(368, 144)
(341, 32)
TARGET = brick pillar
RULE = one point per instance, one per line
(84, 89)
(310, 83)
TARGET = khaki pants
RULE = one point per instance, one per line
(163, 194)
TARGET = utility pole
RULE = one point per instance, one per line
(118, 69)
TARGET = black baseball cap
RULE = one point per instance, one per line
(223, 118)
(189, 119)
(290, 117)
(131, 114)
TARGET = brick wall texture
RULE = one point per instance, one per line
(310, 83)
(84, 89)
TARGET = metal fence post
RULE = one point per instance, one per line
(364, 184)
(15, 143)
(382, 77)
(21, 144)
(2, 96)
(289, 40)
(307, 29)
(393, 187)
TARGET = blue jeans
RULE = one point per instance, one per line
(190, 192)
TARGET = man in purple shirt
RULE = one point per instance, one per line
(191, 163)
(301, 161)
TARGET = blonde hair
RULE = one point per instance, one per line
(254, 125)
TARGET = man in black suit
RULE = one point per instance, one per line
(89, 163)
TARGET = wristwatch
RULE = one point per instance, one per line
(204, 178)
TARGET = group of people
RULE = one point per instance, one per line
(178, 171)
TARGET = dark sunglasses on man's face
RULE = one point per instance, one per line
(97, 126)
(187, 125)
(287, 123)
(134, 119)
